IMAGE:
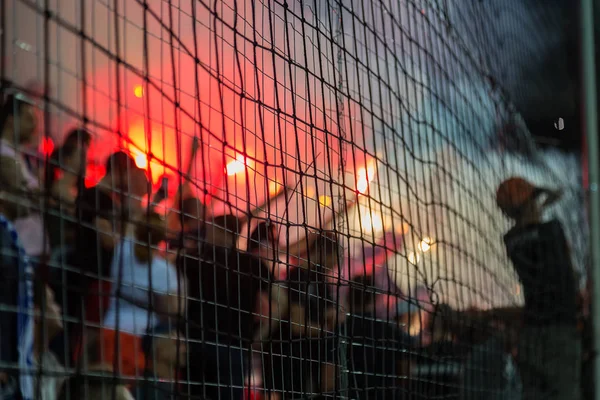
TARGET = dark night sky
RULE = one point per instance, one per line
(554, 78)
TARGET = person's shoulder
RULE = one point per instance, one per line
(553, 224)
(520, 232)
(162, 263)
(86, 199)
(553, 230)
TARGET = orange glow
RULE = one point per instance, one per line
(162, 148)
(325, 201)
(138, 91)
(47, 146)
(238, 165)
(309, 192)
(402, 228)
(364, 177)
(274, 188)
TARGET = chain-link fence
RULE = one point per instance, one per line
(280, 199)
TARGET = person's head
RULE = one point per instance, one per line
(518, 200)
(192, 211)
(18, 120)
(72, 154)
(262, 240)
(362, 294)
(132, 181)
(70, 157)
(48, 312)
(121, 167)
(149, 232)
(222, 230)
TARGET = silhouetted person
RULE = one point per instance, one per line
(301, 354)
(64, 180)
(549, 352)
(378, 366)
(225, 288)
(103, 213)
(20, 186)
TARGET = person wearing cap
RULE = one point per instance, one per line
(549, 348)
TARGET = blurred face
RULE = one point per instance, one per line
(24, 125)
(78, 159)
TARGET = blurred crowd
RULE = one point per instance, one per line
(102, 295)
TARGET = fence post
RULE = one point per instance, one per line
(590, 123)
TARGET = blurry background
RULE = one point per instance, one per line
(423, 106)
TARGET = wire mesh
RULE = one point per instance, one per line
(268, 199)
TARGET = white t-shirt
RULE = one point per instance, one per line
(135, 284)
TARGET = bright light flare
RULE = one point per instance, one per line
(138, 91)
(365, 176)
(324, 200)
(139, 148)
(372, 222)
(413, 258)
(141, 160)
(238, 165)
(425, 244)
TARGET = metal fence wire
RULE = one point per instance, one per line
(270, 199)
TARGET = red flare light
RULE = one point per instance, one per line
(238, 165)
(47, 146)
(94, 172)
